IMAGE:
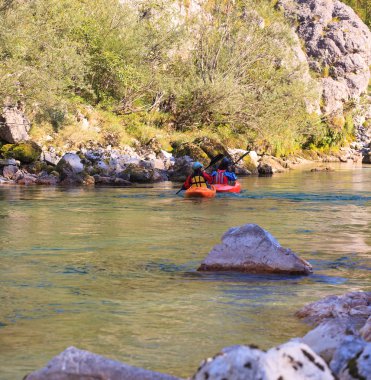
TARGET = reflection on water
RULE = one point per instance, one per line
(114, 270)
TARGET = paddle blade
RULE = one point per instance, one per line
(217, 158)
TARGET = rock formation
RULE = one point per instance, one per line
(14, 126)
(338, 47)
(249, 248)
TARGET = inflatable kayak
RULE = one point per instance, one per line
(236, 188)
(200, 192)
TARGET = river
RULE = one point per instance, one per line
(113, 270)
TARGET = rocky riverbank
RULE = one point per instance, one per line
(26, 162)
(125, 166)
(339, 347)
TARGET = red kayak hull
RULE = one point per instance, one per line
(236, 188)
(200, 192)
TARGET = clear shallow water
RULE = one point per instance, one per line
(114, 270)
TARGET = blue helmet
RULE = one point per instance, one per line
(197, 165)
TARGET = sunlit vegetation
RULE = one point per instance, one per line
(145, 71)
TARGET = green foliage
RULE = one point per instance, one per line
(150, 74)
(362, 8)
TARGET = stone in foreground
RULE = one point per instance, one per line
(291, 360)
(328, 336)
(249, 248)
(73, 364)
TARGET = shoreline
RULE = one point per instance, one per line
(125, 166)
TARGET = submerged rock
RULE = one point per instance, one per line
(291, 360)
(249, 248)
(73, 364)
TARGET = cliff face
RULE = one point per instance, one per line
(338, 48)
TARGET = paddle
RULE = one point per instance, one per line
(217, 158)
(235, 162)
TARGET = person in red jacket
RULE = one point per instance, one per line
(225, 174)
(198, 178)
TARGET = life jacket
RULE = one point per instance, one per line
(198, 181)
(220, 178)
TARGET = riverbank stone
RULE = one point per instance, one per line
(352, 360)
(354, 306)
(365, 331)
(291, 360)
(73, 364)
(249, 248)
(328, 336)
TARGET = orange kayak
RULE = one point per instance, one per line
(236, 188)
(200, 192)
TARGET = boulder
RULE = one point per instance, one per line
(139, 174)
(365, 331)
(191, 150)
(9, 172)
(291, 360)
(366, 159)
(50, 157)
(14, 126)
(9, 161)
(210, 146)
(294, 360)
(269, 165)
(113, 181)
(352, 360)
(73, 364)
(26, 179)
(236, 362)
(328, 336)
(181, 169)
(25, 152)
(47, 179)
(355, 306)
(70, 163)
(76, 179)
(249, 248)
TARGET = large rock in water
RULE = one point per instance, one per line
(249, 248)
(73, 364)
(14, 126)
(338, 47)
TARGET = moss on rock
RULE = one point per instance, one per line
(191, 150)
(249, 164)
(210, 146)
(26, 152)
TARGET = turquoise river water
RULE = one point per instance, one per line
(113, 270)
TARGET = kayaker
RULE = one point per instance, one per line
(198, 178)
(224, 174)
